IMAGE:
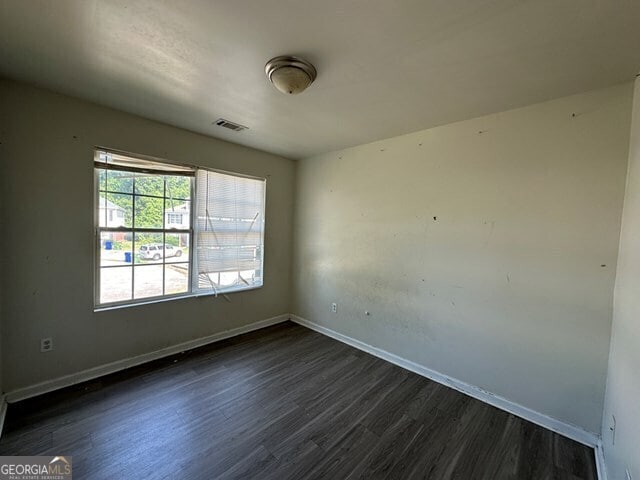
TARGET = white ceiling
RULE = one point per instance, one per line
(384, 67)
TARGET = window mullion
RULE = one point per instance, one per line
(192, 238)
(164, 234)
(133, 237)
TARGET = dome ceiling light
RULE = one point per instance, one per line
(290, 75)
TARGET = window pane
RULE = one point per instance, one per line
(150, 184)
(134, 263)
(250, 277)
(147, 281)
(102, 176)
(149, 212)
(228, 279)
(177, 247)
(115, 284)
(118, 208)
(119, 181)
(149, 248)
(115, 249)
(176, 278)
(178, 188)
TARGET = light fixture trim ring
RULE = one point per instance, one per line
(290, 61)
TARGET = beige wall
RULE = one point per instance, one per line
(46, 152)
(622, 447)
(504, 289)
(485, 249)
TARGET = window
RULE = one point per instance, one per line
(157, 245)
(229, 231)
(174, 218)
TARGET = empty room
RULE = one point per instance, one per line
(320, 240)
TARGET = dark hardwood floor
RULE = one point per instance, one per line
(283, 403)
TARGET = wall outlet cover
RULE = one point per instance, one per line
(46, 344)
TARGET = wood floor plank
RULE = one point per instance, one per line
(284, 403)
(390, 449)
(339, 424)
(392, 408)
(350, 452)
(295, 464)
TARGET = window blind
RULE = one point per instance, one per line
(229, 231)
(117, 161)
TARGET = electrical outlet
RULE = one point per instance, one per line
(334, 307)
(46, 344)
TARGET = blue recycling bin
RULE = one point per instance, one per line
(108, 245)
(127, 257)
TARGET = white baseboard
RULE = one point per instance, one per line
(600, 465)
(95, 372)
(571, 431)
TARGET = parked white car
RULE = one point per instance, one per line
(154, 251)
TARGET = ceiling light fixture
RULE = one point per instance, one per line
(290, 75)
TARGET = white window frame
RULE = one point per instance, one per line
(193, 290)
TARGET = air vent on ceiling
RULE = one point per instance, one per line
(221, 122)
